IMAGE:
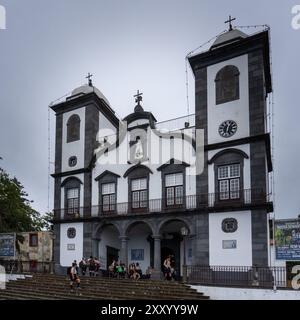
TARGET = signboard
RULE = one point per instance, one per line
(287, 239)
(7, 245)
(229, 244)
(71, 246)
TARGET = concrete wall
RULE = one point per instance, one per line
(242, 254)
(68, 256)
(40, 253)
(221, 293)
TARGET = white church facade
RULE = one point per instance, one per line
(135, 210)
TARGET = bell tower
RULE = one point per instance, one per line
(232, 83)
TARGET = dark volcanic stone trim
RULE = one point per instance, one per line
(257, 102)
(201, 123)
(259, 224)
(58, 142)
(169, 169)
(91, 130)
(223, 152)
(72, 172)
(200, 243)
(57, 196)
(228, 158)
(87, 240)
(84, 100)
(56, 248)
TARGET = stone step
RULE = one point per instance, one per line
(45, 286)
(120, 286)
(130, 284)
(107, 294)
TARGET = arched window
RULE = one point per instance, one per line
(227, 84)
(72, 196)
(73, 128)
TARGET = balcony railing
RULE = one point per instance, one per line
(239, 276)
(236, 199)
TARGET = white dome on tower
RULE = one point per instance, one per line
(86, 89)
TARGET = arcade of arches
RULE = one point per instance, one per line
(143, 242)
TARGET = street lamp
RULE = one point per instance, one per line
(184, 232)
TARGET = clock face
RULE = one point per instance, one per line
(227, 128)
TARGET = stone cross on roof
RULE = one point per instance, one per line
(229, 21)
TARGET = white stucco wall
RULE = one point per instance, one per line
(246, 172)
(237, 110)
(68, 256)
(242, 255)
(221, 293)
(75, 148)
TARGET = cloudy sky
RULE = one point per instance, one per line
(49, 47)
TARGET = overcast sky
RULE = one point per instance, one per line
(49, 47)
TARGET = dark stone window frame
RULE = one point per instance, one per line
(104, 178)
(229, 75)
(171, 168)
(71, 183)
(227, 221)
(226, 158)
(73, 128)
(137, 172)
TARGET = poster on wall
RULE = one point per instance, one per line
(287, 239)
(7, 245)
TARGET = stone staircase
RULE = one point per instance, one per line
(56, 287)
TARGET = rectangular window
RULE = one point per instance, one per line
(229, 182)
(139, 193)
(72, 200)
(174, 189)
(108, 196)
(33, 240)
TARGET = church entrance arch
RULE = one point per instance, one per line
(109, 245)
(172, 244)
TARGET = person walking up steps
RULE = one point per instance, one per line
(74, 279)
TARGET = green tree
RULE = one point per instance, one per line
(16, 213)
(47, 221)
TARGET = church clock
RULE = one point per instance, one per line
(227, 128)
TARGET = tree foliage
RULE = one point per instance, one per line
(16, 213)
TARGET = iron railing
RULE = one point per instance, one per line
(234, 199)
(238, 276)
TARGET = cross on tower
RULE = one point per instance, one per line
(229, 21)
(89, 77)
(138, 97)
